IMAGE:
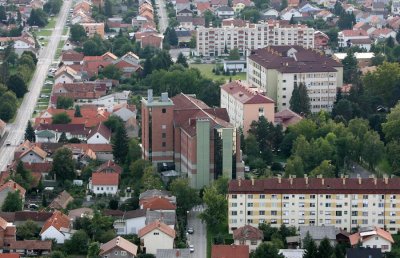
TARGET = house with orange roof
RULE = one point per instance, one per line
(286, 118)
(236, 251)
(109, 167)
(10, 187)
(156, 235)
(118, 247)
(373, 237)
(157, 204)
(57, 227)
(104, 183)
(33, 154)
(65, 74)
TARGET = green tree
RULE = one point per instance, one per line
(147, 67)
(77, 111)
(24, 175)
(113, 123)
(63, 165)
(300, 102)
(7, 111)
(108, 8)
(311, 250)
(37, 18)
(294, 166)
(134, 151)
(29, 230)
(390, 42)
(391, 127)
(325, 248)
(266, 250)
(30, 132)
(94, 250)
(16, 84)
(120, 145)
(151, 180)
(61, 118)
(111, 72)
(57, 254)
(215, 213)
(78, 244)
(12, 202)
(64, 102)
(161, 61)
(343, 108)
(186, 197)
(77, 33)
(326, 169)
(182, 60)
(63, 138)
(350, 68)
(192, 42)
(138, 167)
(234, 54)
(372, 149)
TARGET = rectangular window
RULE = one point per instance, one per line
(250, 204)
(250, 213)
(274, 213)
(250, 196)
(163, 135)
(312, 196)
(234, 196)
(262, 212)
(262, 196)
(164, 110)
(164, 144)
(338, 213)
(234, 213)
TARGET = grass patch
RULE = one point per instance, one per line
(384, 167)
(51, 24)
(65, 31)
(61, 44)
(44, 33)
(206, 71)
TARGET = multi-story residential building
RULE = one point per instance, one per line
(199, 140)
(245, 104)
(346, 203)
(248, 36)
(277, 69)
(395, 8)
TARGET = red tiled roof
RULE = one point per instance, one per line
(58, 220)
(158, 203)
(10, 184)
(157, 225)
(245, 94)
(109, 166)
(74, 129)
(105, 179)
(203, 6)
(31, 245)
(118, 242)
(3, 223)
(354, 33)
(248, 232)
(356, 237)
(10, 255)
(230, 251)
(72, 56)
(317, 185)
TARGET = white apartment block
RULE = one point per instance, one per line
(247, 36)
(277, 69)
(341, 202)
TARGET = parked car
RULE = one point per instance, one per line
(191, 248)
(190, 230)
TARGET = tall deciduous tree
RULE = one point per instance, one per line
(63, 165)
(78, 244)
(266, 250)
(30, 132)
(16, 84)
(186, 197)
(215, 213)
(61, 118)
(300, 102)
(182, 60)
(77, 33)
(234, 54)
(37, 18)
(12, 202)
(29, 230)
(120, 145)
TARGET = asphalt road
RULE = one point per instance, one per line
(162, 15)
(16, 130)
(199, 237)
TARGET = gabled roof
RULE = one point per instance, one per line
(40, 245)
(10, 184)
(230, 251)
(58, 221)
(72, 56)
(157, 225)
(109, 166)
(61, 201)
(102, 130)
(244, 94)
(35, 149)
(354, 33)
(105, 179)
(3, 223)
(10, 255)
(365, 234)
(119, 242)
(134, 214)
(248, 232)
(158, 203)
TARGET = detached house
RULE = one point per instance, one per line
(66, 74)
(131, 222)
(118, 247)
(156, 235)
(57, 227)
(99, 135)
(248, 235)
(61, 201)
(7, 233)
(104, 183)
(373, 237)
(71, 57)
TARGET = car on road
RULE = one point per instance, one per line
(8, 143)
(190, 230)
(191, 248)
(44, 96)
(33, 206)
(48, 82)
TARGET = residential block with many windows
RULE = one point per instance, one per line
(247, 36)
(277, 69)
(342, 202)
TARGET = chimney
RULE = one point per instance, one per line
(359, 180)
(344, 180)
(375, 180)
(252, 181)
(306, 178)
(279, 179)
(240, 181)
(291, 179)
(164, 97)
(150, 95)
(385, 179)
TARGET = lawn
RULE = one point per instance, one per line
(44, 33)
(65, 31)
(51, 24)
(206, 71)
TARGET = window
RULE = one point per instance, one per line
(156, 233)
(250, 196)
(253, 242)
(338, 213)
(364, 221)
(250, 204)
(285, 221)
(262, 196)
(365, 213)
(164, 110)
(163, 135)
(312, 196)
(274, 196)
(312, 205)
(123, 253)
(116, 252)
(234, 196)
(384, 247)
(354, 213)
(327, 205)
(286, 197)
(234, 213)
(262, 212)
(301, 221)
(234, 204)
(164, 144)
(274, 213)
(328, 196)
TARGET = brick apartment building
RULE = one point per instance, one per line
(248, 36)
(198, 139)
